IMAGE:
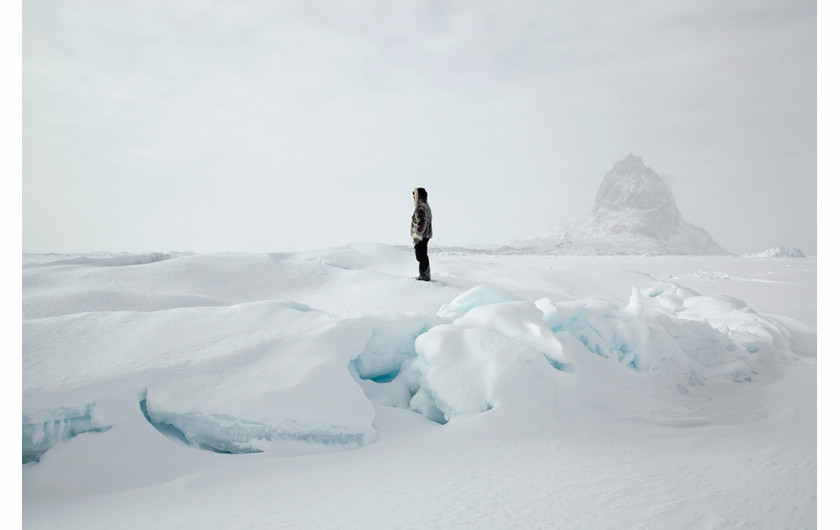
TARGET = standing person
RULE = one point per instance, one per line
(421, 232)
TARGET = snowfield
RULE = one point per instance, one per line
(328, 389)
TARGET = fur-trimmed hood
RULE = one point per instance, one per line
(420, 195)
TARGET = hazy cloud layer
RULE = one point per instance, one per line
(271, 126)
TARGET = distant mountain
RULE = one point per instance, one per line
(634, 213)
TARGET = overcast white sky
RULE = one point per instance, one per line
(277, 126)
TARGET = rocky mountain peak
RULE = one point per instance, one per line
(633, 198)
(634, 213)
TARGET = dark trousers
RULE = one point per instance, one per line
(421, 252)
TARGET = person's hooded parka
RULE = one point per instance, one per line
(421, 221)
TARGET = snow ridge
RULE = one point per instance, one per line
(470, 358)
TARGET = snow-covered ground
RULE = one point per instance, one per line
(329, 389)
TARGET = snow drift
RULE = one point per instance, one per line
(146, 378)
(262, 375)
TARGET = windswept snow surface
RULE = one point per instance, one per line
(329, 389)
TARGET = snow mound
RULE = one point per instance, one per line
(285, 377)
(313, 381)
(671, 327)
(481, 295)
(295, 388)
(464, 367)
